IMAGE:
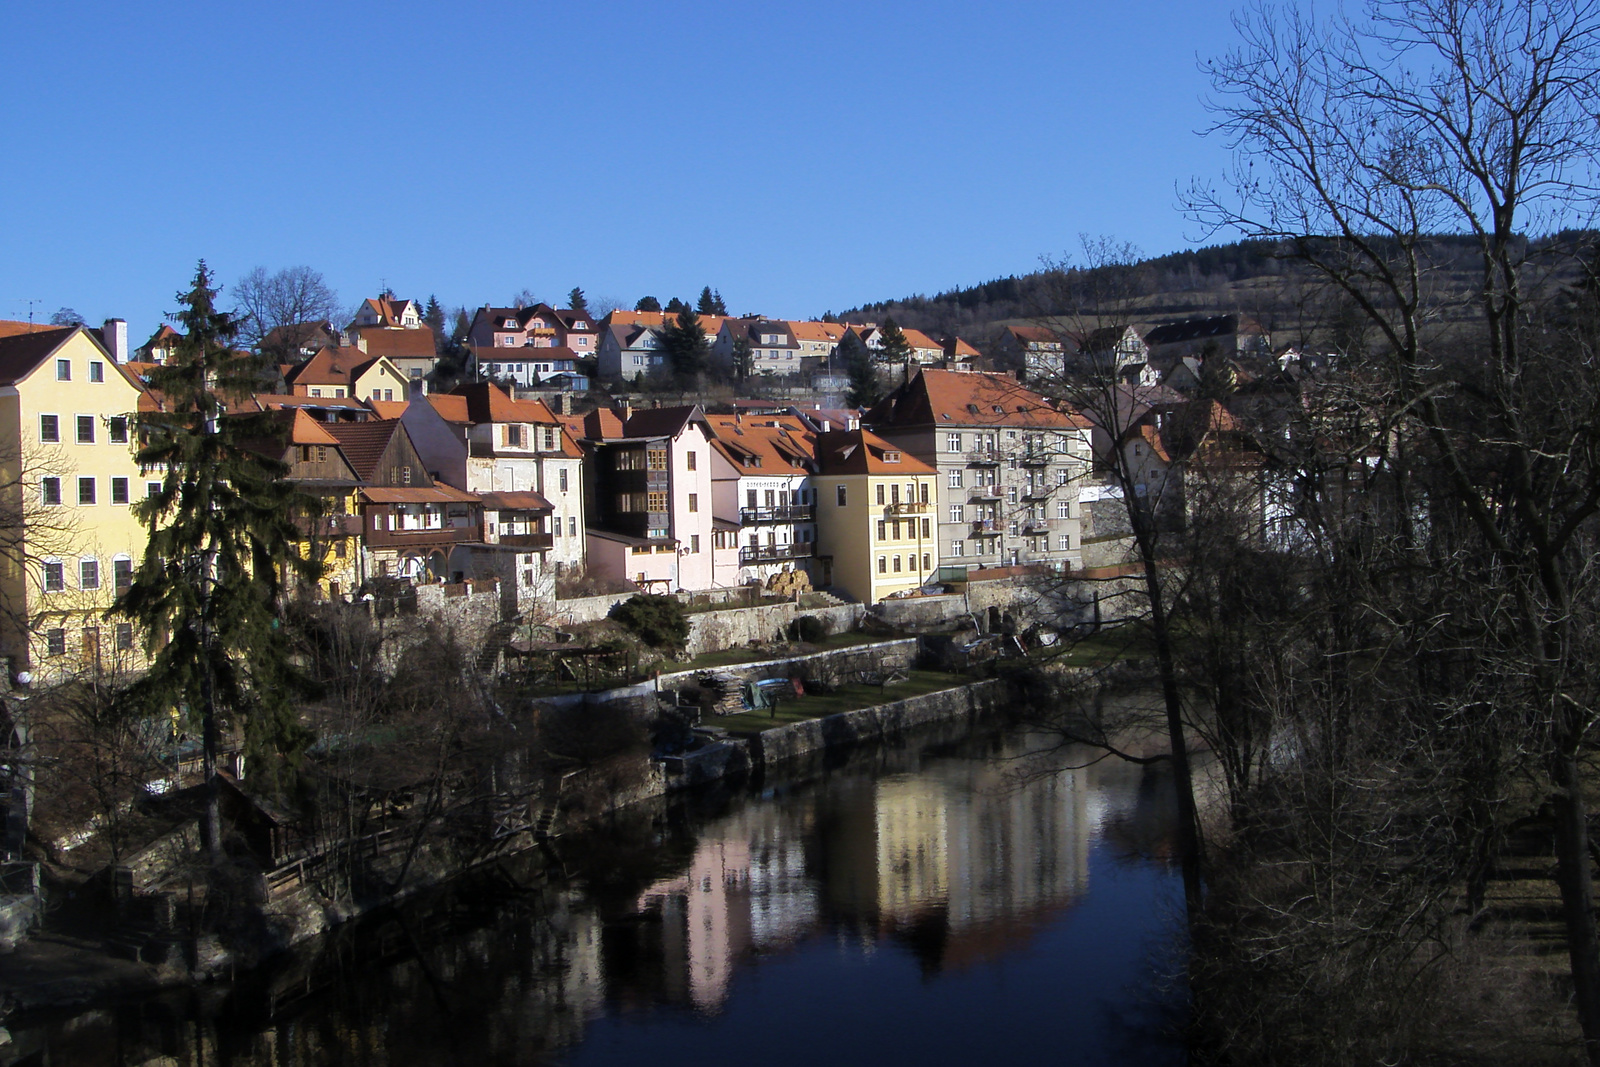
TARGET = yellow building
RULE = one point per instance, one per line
(874, 515)
(67, 483)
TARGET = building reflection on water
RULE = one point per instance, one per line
(956, 859)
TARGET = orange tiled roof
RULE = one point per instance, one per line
(863, 452)
(451, 408)
(388, 409)
(783, 443)
(967, 398)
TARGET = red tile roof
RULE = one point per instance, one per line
(967, 398)
(863, 452)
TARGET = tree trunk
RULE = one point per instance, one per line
(1577, 897)
(211, 820)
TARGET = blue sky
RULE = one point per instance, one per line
(796, 156)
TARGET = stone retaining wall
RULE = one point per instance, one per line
(470, 609)
(968, 704)
(714, 631)
(586, 609)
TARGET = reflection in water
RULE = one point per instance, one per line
(972, 862)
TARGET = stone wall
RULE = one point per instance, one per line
(917, 612)
(968, 704)
(470, 609)
(586, 609)
(838, 664)
(714, 631)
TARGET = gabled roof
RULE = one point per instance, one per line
(388, 409)
(967, 398)
(22, 352)
(608, 424)
(817, 331)
(864, 452)
(451, 408)
(388, 310)
(487, 402)
(919, 340)
(296, 334)
(397, 344)
(304, 430)
(365, 442)
(1197, 329)
(771, 445)
(329, 366)
(956, 348)
(1034, 334)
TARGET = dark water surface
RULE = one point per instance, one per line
(951, 902)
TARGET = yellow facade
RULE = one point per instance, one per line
(879, 529)
(336, 543)
(381, 380)
(69, 479)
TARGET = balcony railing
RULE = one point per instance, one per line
(1037, 492)
(1036, 526)
(1035, 457)
(769, 553)
(447, 535)
(985, 528)
(984, 492)
(781, 513)
(983, 457)
(536, 541)
(909, 507)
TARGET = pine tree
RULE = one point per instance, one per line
(894, 350)
(676, 306)
(686, 345)
(857, 360)
(717, 306)
(647, 303)
(707, 304)
(744, 362)
(222, 539)
(577, 301)
(433, 315)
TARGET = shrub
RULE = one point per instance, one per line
(658, 621)
(808, 628)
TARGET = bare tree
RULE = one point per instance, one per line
(1358, 141)
(289, 297)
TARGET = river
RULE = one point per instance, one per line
(952, 901)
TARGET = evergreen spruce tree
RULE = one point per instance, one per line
(647, 303)
(717, 306)
(744, 362)
(433, 315)
(857, 359)
(686, 345)
(707, 304)
(222, 540)
(577, 301)
(674, 306)
(894, 350)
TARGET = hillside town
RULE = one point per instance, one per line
(518, 471)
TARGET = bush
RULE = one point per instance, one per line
(658, 621)
(808, 628)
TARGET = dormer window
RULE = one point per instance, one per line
(891, 457)
(972, 409)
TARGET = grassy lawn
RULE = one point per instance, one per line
(847, 698)
(1106, 647)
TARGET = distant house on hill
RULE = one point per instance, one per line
(1230, 336)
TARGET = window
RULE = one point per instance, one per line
(954, 443)
(880, 493)
(388, 394)
(954, 480)
(958, 548)
(55, 576)
(86, 490)
(1066, 542)
(122, 572)
(63, 370)
(97, 371)
(656, 501)
(339, 548)
(50, 429)
(925, 527)
(555, 527)
(572, 526)
(897, 564)
(85, 425)
(563, 478)
(694, 500)
(55, 640)
(690, 460)
(152, 489)
(883, 564)
(883, 530)
(922, 492)
(124, 637)
(694, 542)
(1011, 494)
(513, 436)
(88, 574)
(1063, 509)
(891, 457)
(840, 490)
(1061, 476)
(927, 562)
(655, 459)
(50, 491)
(119, 490)
(958, 513)
(118, 431)
(1011, 527)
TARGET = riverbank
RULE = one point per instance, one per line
(52, 971)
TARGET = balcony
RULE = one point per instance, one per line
(983, 457)
(984, 492)
(985, 528)
(783, 513)
(1037, 492)
(1036, 458)
(539, 542)
(1036, 526)
(908, 508)
(447, 535)
(773, 553)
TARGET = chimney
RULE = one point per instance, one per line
(627, 410)
(656, 404)
(564, 404)
(115, 335)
